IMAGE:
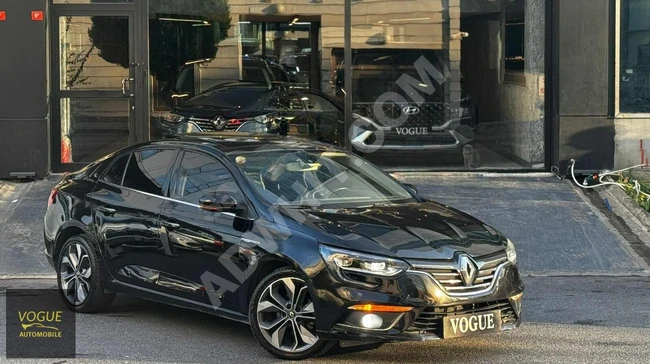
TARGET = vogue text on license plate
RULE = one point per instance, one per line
(472, 324)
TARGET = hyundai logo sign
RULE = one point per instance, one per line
(410, 110)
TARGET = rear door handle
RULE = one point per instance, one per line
(170, 225)
(106, 210)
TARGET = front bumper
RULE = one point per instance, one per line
(430, 307)
(370, 136)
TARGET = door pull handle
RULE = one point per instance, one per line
(124, 81)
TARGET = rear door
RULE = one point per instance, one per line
(126, 205)
(198, 242)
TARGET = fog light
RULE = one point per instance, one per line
(371, 321)
(516, 303)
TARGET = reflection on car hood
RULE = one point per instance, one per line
(415, 231)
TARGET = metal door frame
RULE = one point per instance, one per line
(138, 102)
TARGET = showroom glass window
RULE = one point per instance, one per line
(635, 57)
(436, 84)
(453, 84)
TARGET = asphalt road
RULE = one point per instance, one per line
(567, 320)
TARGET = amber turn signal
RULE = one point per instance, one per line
(380, 308)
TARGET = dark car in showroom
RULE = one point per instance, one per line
(254, 69)
(279, 108)
(416, 113)
(309, 244)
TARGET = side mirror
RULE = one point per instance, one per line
(221, 202)
(411, 187)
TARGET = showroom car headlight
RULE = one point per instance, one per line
(172, 118)
(345, 261)
(510, 252)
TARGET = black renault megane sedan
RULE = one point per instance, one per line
(309, 244)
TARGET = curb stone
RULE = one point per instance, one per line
(626, 201)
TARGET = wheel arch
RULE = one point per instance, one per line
(68, 230)
(264, 267)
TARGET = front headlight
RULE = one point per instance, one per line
(510, 252)
(342, 261)
(172, 118)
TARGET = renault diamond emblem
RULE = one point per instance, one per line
(467, 269)
(410, 110)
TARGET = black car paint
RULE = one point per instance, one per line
(174, 244)
(323, 125)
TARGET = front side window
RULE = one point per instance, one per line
(148, 170)
(314, 102)
(635, 57)
(115, 172)
(201, 175)
(283, 100)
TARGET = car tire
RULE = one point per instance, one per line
(80, 278)
(286, 327)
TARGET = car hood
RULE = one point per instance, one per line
(425, 230)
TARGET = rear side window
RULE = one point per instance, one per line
(147, 170)
(116, 170)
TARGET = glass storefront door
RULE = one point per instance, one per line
(94, 80)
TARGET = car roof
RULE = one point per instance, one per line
(247, 85)
(237, 142)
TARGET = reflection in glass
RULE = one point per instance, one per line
(436, 83)
(635, 57)
(93, 127)
(94, 52)
(454, 85)
(90, 1)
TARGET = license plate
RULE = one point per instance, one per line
(471, 324)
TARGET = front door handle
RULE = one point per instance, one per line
(170, 225)
(124, 81)
(106, 210)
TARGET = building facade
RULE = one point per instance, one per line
(520, 85)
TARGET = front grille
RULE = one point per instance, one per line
(430, 113)
(430, 320)
(449, 277)
(204, 124)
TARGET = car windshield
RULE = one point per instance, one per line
(312, 178)
(241, 97)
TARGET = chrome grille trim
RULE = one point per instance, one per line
(446, 275)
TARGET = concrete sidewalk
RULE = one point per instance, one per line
(556, 229)
(22, 206)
